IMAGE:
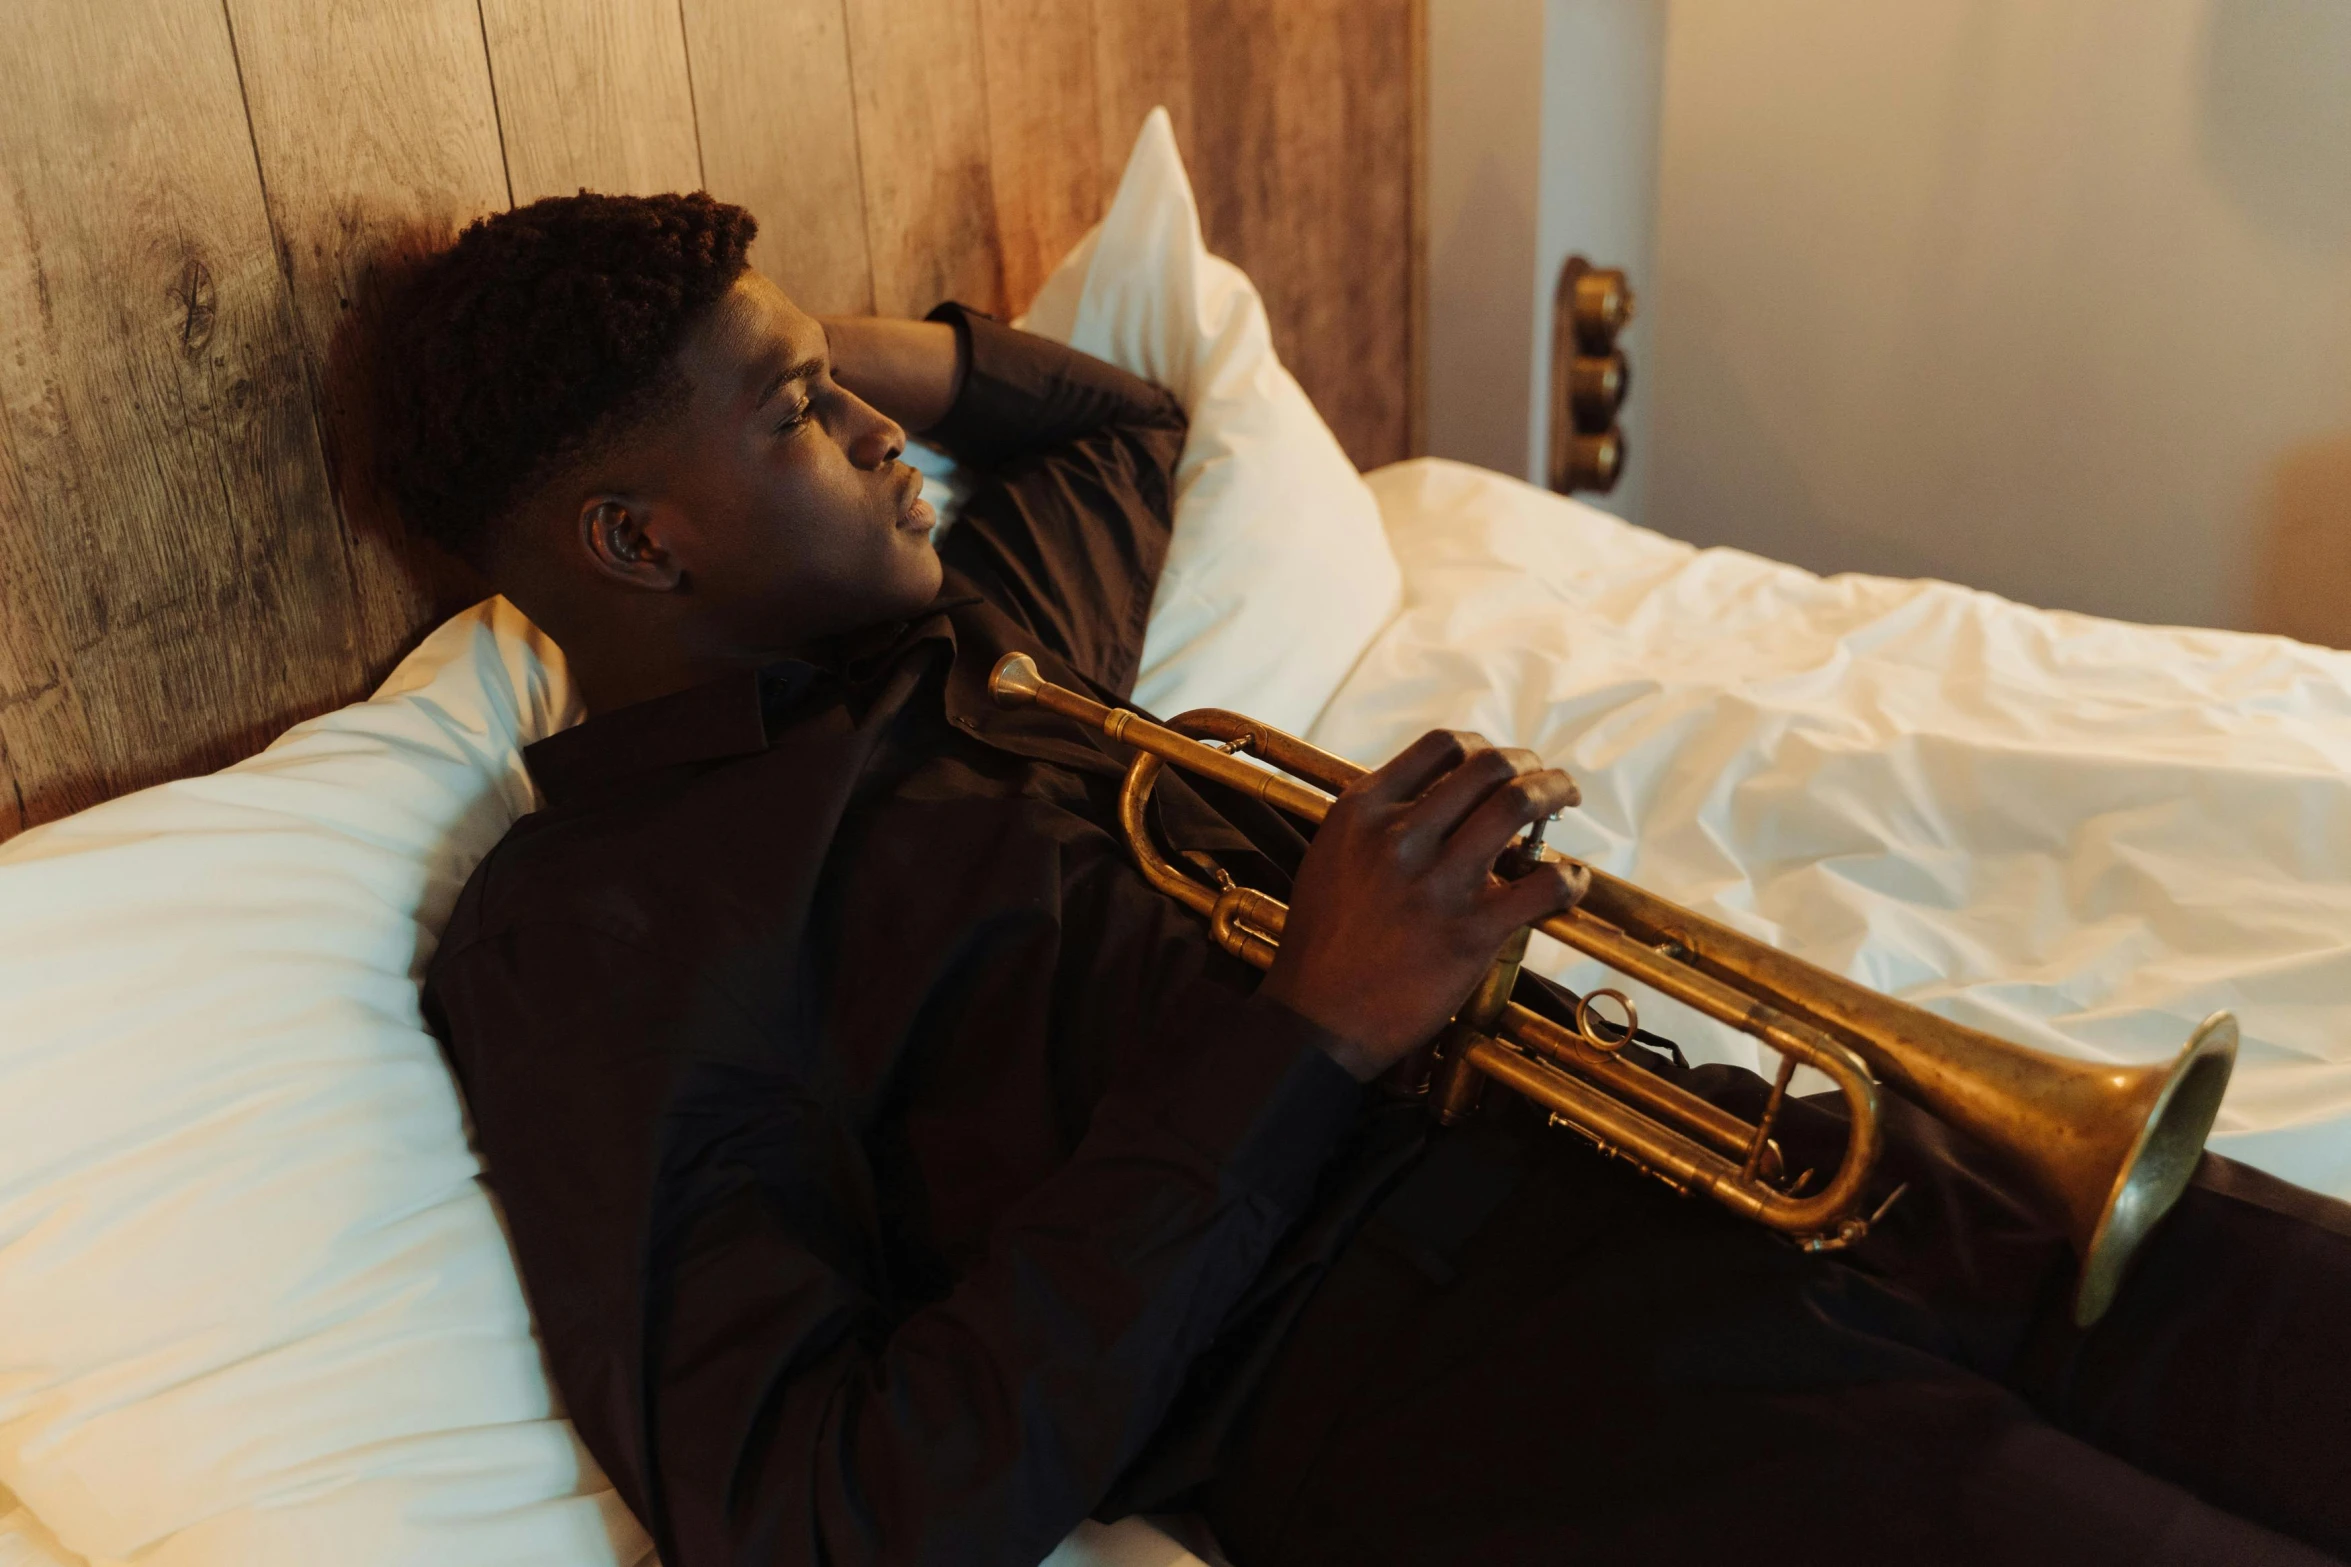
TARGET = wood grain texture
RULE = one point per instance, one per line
(593, 94)
(922, 133)
(1044, 134)
(1416, 224)
(779, 135)
(176, 589)
(48, 761)
(377, 136)
(1304, 114)
(1142, 61)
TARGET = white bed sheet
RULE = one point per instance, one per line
(2079, 834)
(25, 1542)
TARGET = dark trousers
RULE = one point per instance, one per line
(1533, 1354)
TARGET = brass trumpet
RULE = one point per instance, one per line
(2107, 1149)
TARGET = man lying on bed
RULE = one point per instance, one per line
(897, 1177)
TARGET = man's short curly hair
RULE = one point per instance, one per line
(540, 333)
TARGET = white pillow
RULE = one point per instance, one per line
(1279, 574)
(254, 1305)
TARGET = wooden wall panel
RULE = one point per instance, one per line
(922, 136)
(49, 762)
(1044, 134)
(1372, 233)
(376, 132)
(1304, 135)
(171, 548)
(1142, 61)
(594, 94)
(779, 135)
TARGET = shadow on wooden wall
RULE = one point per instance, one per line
(195, 191)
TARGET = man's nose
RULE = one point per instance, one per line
(876, 442)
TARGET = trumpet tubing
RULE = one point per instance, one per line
(2106, 1149)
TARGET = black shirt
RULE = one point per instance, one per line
(879, 1150)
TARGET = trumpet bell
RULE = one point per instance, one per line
(2114, 1203)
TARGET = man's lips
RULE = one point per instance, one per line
(913, 510)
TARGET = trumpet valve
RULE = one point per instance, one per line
(1525, 853)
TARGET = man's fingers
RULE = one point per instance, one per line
(1413, 769)
(1505, 813)
(1453, 799)
(1542, 892)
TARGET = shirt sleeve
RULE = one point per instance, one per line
(723, 1326)
(1069, 529)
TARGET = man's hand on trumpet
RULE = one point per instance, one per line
(1398, 910)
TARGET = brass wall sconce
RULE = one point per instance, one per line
(1590, 376)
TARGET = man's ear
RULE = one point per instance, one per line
(622, 539)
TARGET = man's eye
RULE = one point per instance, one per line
(793, 420)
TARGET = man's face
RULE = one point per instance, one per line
(778, 494)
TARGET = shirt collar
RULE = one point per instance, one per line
(734, 714)
(706, 723)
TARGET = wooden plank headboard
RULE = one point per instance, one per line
(195, 189)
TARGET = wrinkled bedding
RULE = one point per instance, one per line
(2080, 834)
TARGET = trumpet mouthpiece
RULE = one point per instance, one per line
(1015, 682)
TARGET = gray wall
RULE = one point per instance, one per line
(1543, 124)
(2048, 298)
